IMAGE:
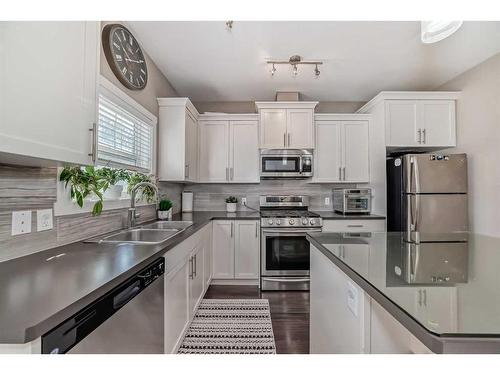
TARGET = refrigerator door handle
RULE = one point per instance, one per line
(414, 178)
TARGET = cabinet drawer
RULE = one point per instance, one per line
(354, 225)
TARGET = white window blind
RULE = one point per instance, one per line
(124, 140)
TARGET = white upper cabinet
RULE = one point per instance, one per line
(48, 89)
(286, 124)
(177, 140)
(229, 149)
(416, 120)
(342, 149)
(214, 151)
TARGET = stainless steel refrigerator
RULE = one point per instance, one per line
(427, 197)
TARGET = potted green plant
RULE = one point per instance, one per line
(231, 204)
(84, 182)
(111, 177)
(165, 209)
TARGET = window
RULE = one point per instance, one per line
(126, 133)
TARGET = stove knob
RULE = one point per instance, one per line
(304, 221)
(270, 222)
(291, 221)
(312, 221)
(278, 222)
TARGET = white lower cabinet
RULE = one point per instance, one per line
(339, 310)
(187, 278)
(344, 319)
(235, 249)
(371, 225)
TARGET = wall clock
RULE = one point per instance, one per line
(124, 56)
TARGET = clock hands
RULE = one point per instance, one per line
(134, 61)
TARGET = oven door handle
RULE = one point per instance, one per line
(286, 280)
(285, 231)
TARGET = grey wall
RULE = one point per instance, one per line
(478, 135)
(249, 107)
(158, 85)
(212, 196)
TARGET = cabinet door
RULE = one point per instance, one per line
(48, 89)
(273, 128)
(244, 151)
(214, 151)
(246, 250)
(191, 172)
(328, 152)
(176, 306)
(438, 122)
(438, 306)
(223, 249)
(300, 128)
(196, 287)
(355, 151)
(402, 123)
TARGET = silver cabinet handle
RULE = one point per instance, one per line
(232, 224)
(256, 230)
(420, 297)
(289, 137)
(425, 297)
(344, 173)
(93, 143)
(419, 131)
(186, 171)
(195, 266)
(424, 136)
(340, 173)
(227, 174)
(355, 225)
(232, 173)
(191, 267)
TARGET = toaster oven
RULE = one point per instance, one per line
(351, 201)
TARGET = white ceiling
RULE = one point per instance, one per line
(207, 62)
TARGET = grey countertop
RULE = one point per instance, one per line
(445, 294)
(41, 290)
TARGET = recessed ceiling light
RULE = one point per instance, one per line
(435, 31)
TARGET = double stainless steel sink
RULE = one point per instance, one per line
(152, 234)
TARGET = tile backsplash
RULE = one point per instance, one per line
(208, 197)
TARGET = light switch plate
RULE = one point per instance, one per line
(21, 222)
(44, 220)
(327, 201)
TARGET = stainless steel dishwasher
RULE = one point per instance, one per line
(129, 319)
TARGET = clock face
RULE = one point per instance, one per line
(125, 56)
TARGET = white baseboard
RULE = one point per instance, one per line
(234, 282)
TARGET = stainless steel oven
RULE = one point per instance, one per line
(285, 258)
(286, 164)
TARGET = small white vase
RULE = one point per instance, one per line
(231, 207)
(114, 192)
(165, 215)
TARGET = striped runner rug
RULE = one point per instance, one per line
(230, 326)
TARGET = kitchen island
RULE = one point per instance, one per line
(375, 293)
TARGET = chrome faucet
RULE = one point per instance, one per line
(132, 214)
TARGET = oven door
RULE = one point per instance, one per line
(285, 252)
(272, 166)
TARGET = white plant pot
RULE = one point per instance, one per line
(165, 215)
(231, 207)
(114, 192)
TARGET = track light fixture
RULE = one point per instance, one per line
(295, 61)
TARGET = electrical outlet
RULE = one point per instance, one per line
(21, 222)
(44, 220)
(244, 201)
(327, 201)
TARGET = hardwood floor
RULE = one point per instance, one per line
(289, 314)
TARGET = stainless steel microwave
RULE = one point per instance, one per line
(286, 164)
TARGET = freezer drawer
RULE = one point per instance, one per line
(436, 217)
(435, 173)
